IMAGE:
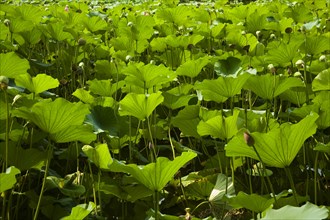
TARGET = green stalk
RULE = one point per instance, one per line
(264, 173)
(153, 151)
(94, 192)
(315, 177)
(98, 190)
(288, 173)
(156, 204)
(7, 129)
(50, 153)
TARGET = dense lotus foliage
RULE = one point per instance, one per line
(165, 109)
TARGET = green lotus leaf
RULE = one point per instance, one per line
(279, 146)
(99, 155)
(296, 95)
(284, 54)
(219, 127)
(187, 120)
(33, 36)
(105, 69)
(60, 118)
(66, 185)
(222, 88)
(299, 13)
(256, 22)
(140, 105)
(322, 81)
(8, 179)
(95, 23)
(80, 211)
(104, 87)
(84, 96)
(12, 65)
(148, 76)
(81, 133)
(243, 41)
(37, 84)
(106, 119)
(224, 185)
(253, 202)
(192, 68)
(182, 41)
(54, 116)
(19, 25)
(28, 13)
(177, 15)
(24, 159)
(268, 86)
(230, 66)
(307, 211)
(200, 188)
(56, 32)
(315, 45)
(154, 175)
(173, 101)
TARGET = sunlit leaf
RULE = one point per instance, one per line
(95, 23)
(253, 202)
(83, 95)
(148, 76)
(219, 90)
(279, 146)
(268, 86)
(219, 127)
(283, 54)
(322, 81)
(8, 179)
(307, 211)
(81, 133)
(187, 120)
(193, 67)
(99, 155)
(315, 45)
(176, 101)
(37, 84)
(224, 185)
(154, 175)
(104, 87)
(12, 65)
(80, 211)
(140, 105)
(230, 66)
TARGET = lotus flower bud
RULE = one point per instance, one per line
(6, 22)
(300, 63)
(17, 97)
(4, 82)
(248, 139)
(66, 8)
(258, 33)
(288, 30)
(128, 58)
(297, 74)
(323, 58)
(271, 68)
(81, 42)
